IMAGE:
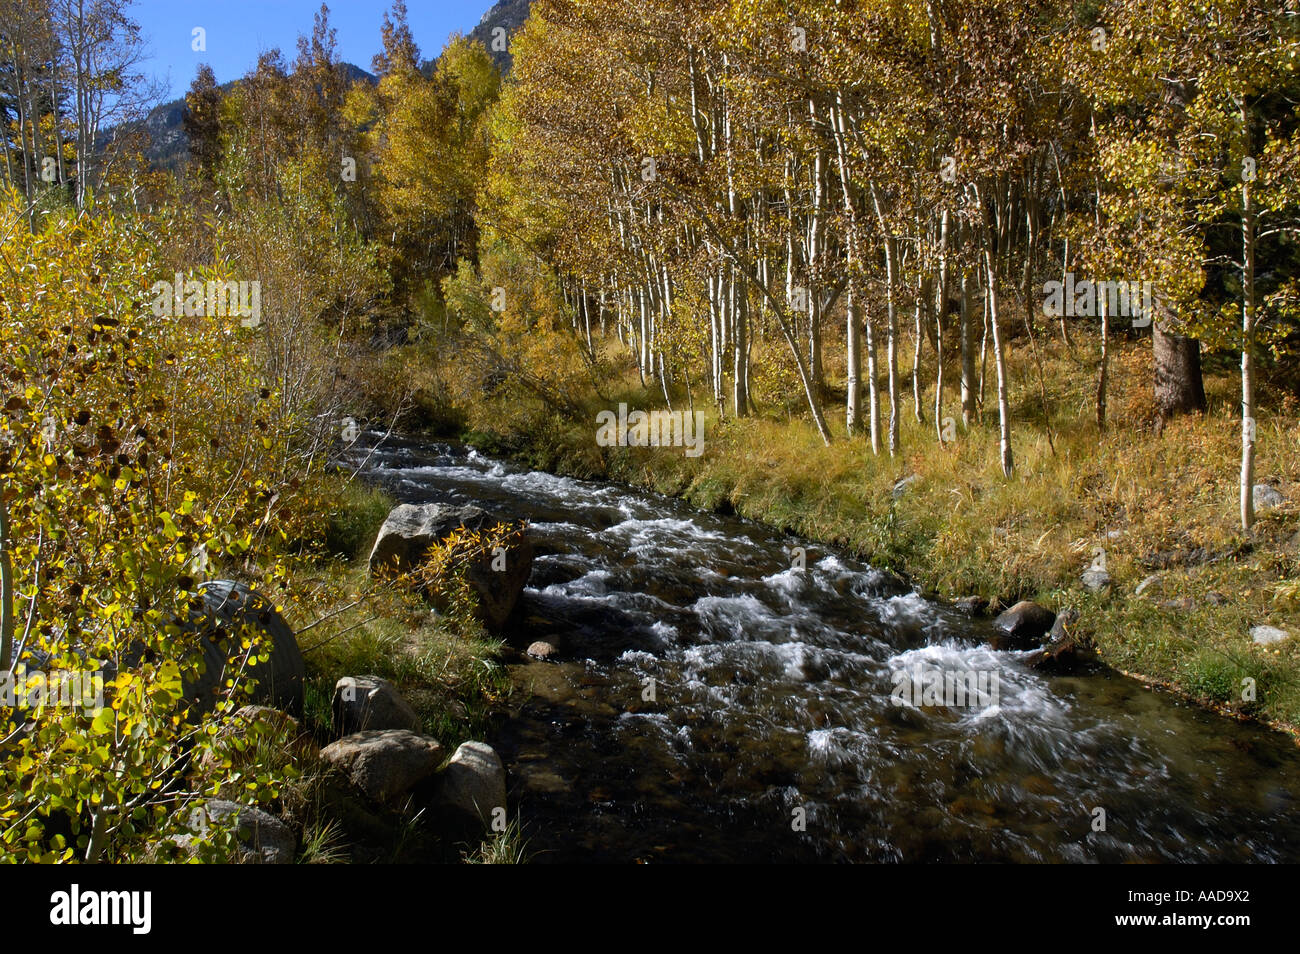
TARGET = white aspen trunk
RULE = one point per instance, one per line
(873, 392)
(1248, 424)
(941, 308)
(984, 349)
(891, 344)
(853, 326)
(968, 386)
(816, 243)
(999, 356)
(643, 336)
(853, 358)
(740, 371)
(891, 319)
(923, 286)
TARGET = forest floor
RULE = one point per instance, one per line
(1154, 505)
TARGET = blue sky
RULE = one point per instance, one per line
(238, 30)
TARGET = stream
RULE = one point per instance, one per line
(715, 702)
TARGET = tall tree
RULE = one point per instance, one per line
(202, 123)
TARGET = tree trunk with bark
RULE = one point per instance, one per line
(1179, 388)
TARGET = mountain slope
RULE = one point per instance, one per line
(507, 14)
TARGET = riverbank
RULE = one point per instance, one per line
(444, 665)
(1155, 506)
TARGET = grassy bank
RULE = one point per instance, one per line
(1159, 501)
(445, 665)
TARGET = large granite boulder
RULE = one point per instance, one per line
(368, 702)
(384, 763)
(474, 781)
(412, 529)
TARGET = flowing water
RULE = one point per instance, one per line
(714, 702)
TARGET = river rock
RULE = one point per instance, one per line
(243, 721)
(384, 763)
(252, 715)
(1061, 626)
(411, 529)
(1095, 580)
(1266, 497)
(369, 702)
(474, 781)
(1063, 652)
(971, 605)
(1267, 635)
(1022, 626)
(262, 838)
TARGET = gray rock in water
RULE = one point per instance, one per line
(971, 605)
(1062, 653)
(1022, 626)
(1095, 580)
(263, 838)
(410, 530)
(1266, 497)
(384, 763)
(1062, 624)
(369, 702)
(1267, 635)
(475, 781)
